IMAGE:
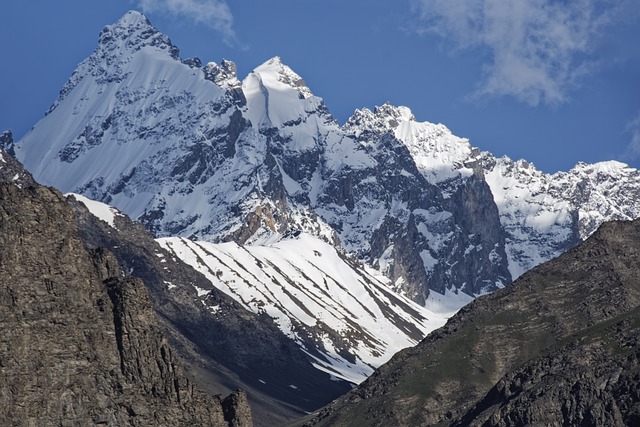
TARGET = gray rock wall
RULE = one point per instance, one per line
(78, 345)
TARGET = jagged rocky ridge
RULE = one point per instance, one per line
(558, 347)
(10, 169)
(79, 342)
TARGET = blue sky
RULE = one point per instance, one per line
(551, 81)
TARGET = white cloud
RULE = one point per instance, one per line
(538, 49)
(213, 13)
(633, 149)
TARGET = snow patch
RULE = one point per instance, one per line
(100, 210)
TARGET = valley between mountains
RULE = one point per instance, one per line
(293, 256)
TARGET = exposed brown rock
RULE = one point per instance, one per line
(78, 347)
(593, 380)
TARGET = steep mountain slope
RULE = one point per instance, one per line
(347, 320)
(79, 344)
(196, 153)
(579, 309)
(429, 217)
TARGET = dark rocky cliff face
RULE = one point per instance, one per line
(79, 344)
(559, 347)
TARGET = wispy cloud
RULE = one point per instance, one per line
(212, 13)
(538, 49)
(633, 148)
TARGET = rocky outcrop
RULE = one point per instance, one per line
(10, 169)
(549, 348)
(592, 380)
(236, 410)
(79, 343)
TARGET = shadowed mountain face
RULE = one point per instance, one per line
(560, 345)
(79, 342)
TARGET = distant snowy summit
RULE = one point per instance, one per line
(192, 151)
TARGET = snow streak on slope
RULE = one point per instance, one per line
(347, 320)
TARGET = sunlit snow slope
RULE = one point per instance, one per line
(345, 318)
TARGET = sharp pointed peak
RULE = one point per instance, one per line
(284, 74)
(276, 60)
(133, 18)
(276, 65)
(133, 31)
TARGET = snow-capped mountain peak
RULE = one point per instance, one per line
(132, 32)
(195, 153)
(605, 168)
(283, 74)
(383, 118)
(439, 155)
(277, 97)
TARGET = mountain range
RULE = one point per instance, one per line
(281, 232)
(191, 151)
